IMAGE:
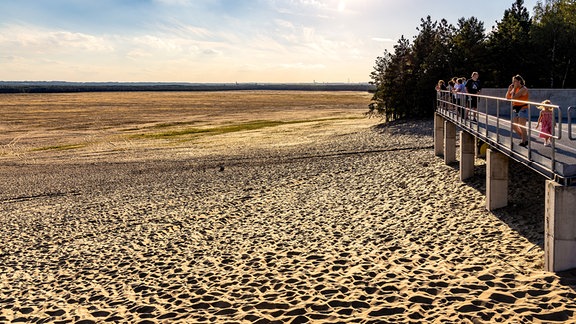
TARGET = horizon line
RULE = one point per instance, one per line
(182, 82)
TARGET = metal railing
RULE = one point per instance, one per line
(569, 115)
(492, 123)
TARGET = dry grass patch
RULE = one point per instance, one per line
(96, 123)
(60, 147)
(224, 129)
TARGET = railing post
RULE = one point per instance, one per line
(560, 227)
(496, 180)
(438, 135)
(569, 115)
(467, 158)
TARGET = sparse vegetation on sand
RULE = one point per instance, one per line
(93, 124)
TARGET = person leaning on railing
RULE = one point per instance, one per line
(518, 91)
(473, 86)
(459, 88)
(440, 87)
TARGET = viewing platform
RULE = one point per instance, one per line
(489, 131)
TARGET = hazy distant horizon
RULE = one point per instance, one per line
(66, 86)
(165, 82)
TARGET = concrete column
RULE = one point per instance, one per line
(496, 180)
(467, 158)
(449, 142)
(560, 227)
(438, 135)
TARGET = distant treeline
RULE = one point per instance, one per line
(61, 87)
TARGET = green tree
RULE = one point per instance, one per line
(379, 105)
(429, 62)
(390, 98)
(554, 37)
(447, 53)
(469, 46)
(509, 47)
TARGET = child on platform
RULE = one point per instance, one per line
(546, 121)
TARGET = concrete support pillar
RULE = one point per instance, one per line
(467, 158)
(496, 180)
(449, 142)
(560, 230)
(438, 135)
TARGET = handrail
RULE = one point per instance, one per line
(557, 111)
(556, 108)
(494, 126)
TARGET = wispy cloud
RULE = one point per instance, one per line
(174, 2)
(383, 40)
(30, 38)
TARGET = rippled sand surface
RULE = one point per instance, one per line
(323, 216)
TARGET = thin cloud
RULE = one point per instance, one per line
(160, 43)
(24, 38)
(302, 66)
(174, 2)
(383, 40)
(284, 23)
(188, 32)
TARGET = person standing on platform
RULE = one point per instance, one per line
(459, 89)
(473, 86)
(546, 120)
(518, 91)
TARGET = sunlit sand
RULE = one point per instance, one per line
(255, 207)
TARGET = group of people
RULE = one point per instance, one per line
(459, 86)
(517, 92)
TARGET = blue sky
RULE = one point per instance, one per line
(214, 40)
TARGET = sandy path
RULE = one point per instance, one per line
(330, 222)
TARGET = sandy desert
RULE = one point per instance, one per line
(256, 207)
